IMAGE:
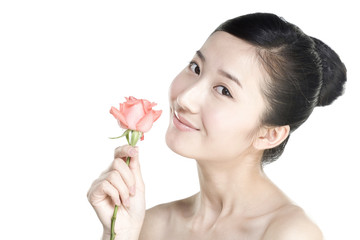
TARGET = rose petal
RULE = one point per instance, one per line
(122, 125)
(134, 115)
(131, 101)
(119, 116)
(147, 105)
(156, 114)
(145, 123)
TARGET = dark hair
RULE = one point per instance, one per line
(302, 71)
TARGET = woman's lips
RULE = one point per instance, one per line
(182, 124)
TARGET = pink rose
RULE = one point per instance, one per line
(136, 114)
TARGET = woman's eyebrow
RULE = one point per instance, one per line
(220, 71)
(229, 76)
(201, 56)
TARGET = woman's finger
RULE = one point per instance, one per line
(135, 168)
(115, 179)
(125, 151)
(126, 174)
(101, 191)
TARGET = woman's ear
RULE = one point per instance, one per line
(270, 137)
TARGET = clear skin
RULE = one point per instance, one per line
(216, 106)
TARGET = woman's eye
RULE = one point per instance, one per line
(194, 67)
(223, 91)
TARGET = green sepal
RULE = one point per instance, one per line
(135, 136)
(126, 133)
(127, 136)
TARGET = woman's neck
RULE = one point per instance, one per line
(229, 187)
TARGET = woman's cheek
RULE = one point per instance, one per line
(216, 118)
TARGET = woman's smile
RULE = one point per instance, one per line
(183, 124)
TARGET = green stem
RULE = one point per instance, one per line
(113, 220)
(135, 136)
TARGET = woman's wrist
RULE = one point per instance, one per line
(105, 236)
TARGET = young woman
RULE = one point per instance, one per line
(255, 80)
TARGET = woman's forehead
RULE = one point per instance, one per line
(228, 43)
(225, 51)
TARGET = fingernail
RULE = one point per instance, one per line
(132, 190)
(133, 152)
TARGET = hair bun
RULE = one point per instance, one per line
(333, 74)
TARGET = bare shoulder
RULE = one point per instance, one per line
(155, 221)
(291, 222)
(158, 218)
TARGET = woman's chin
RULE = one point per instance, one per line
(177, 145)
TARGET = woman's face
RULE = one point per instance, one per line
(215, 102)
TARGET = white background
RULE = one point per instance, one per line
(63, 64)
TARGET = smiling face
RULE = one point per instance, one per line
(216, 102)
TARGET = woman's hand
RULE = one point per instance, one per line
(121, 185)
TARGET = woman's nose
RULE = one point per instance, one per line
(190, 99)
